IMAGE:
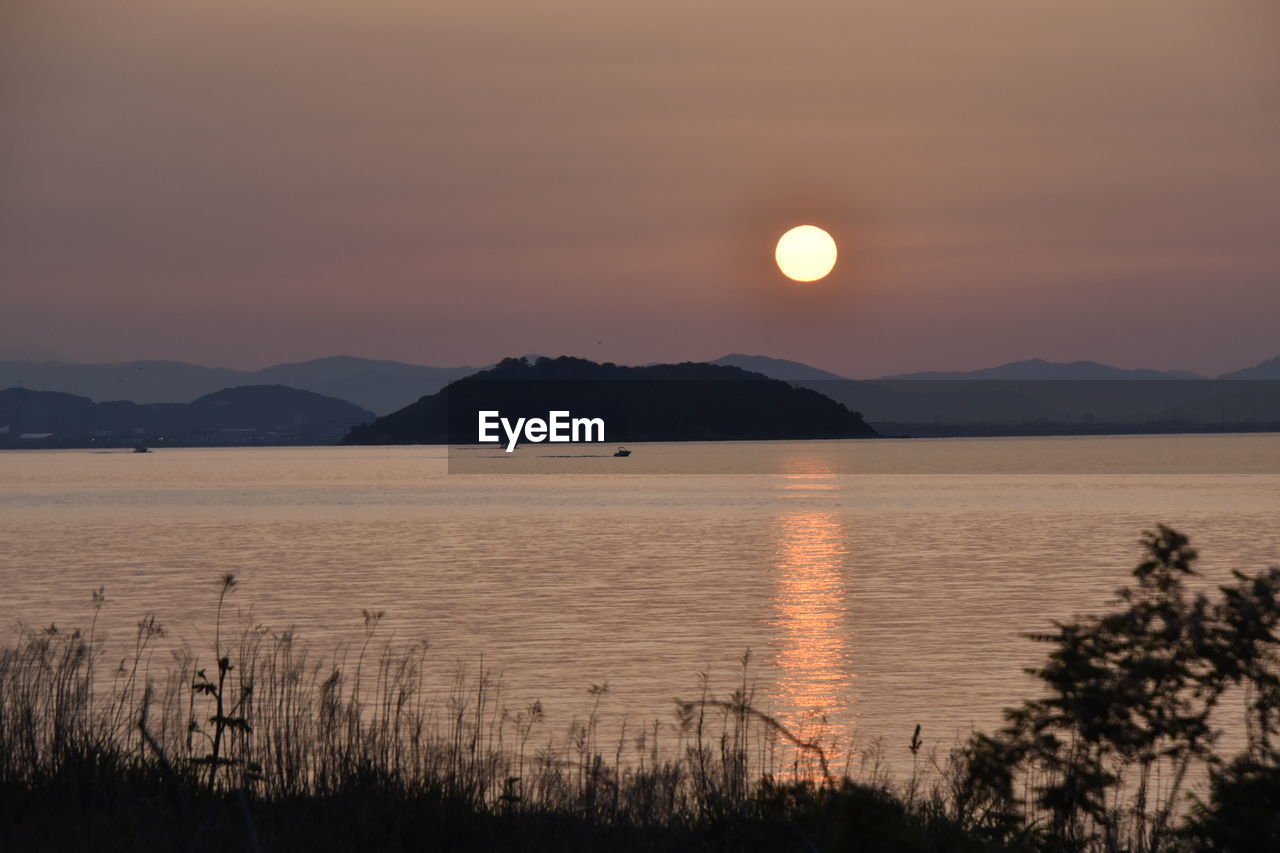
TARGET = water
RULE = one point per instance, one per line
(870, 601)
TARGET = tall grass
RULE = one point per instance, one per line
(225, 739)
(266, 715)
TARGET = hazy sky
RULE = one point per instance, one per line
(242, 182)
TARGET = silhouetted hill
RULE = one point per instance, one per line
(25, 411)
(250, 414)
(775, 368)
(1036, 369)
(381, 386)
(1269, 369)
(277, 407)
(665, 402)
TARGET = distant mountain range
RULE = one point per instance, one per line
(1037, 369)
(1034, 369)
(380, 386)
(270, 414)
(776, 368)
(1035, 407)
(1041, 397)
(385, 386)
(1080, 392)
(1269, 369)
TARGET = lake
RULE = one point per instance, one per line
(878, 584)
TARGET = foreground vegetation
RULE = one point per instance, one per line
(260, 746)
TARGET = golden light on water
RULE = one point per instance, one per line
(805, 253)
(812, 642)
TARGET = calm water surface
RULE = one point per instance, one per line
(873, 601)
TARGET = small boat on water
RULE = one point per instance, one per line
(141, 449)
(622, 451)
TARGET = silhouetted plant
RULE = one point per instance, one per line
(226, 714)
(1243, 812)
(1130, 699)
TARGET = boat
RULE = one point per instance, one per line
(622, 451)
(141, 449)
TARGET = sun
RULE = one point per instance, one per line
(805, 253)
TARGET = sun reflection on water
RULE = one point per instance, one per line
(812, 638)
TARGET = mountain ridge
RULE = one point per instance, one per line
(252, 413)
(1038, 369)
(1269, 369)
(776, 368)
(383, 386)
(375, 384)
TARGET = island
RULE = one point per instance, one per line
(662, 402)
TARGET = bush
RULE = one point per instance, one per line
(1129, 710)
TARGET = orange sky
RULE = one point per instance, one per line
(241, 183)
